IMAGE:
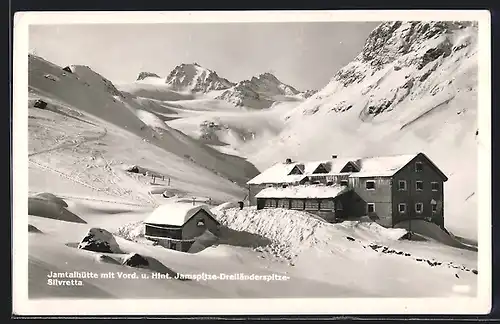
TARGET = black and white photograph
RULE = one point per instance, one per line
(252, 162)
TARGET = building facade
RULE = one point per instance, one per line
(387, 189)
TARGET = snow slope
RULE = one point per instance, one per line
(413, 88)
(86, 92)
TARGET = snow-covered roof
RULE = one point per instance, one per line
(175, 214)
(278, 173)
(382, 165)
(303, 191)
(368, 167)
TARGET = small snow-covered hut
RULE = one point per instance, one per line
(177, 225)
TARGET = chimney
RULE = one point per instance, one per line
(288, 161)
(334, 156)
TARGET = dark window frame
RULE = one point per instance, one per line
(437, 186)
(404, 209)
(434, 208)
(313, 202)
(419, 166)
(329, 204)
(370, 181)
(281, 200)
(421, 209)
(297, 204)
(416, 185)
(405, 185)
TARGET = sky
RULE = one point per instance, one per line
(305, 55)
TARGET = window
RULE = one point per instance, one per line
(419, 185)
(296, 170)
(370, 208)
(162, 231)
(419, 167)
(200, 223)
(326, 204)
(434, 206)
(344, 182)
(435, 186)
(402, 185)
(311, 204)
(173, 245)
(370, 184)
(270, 203)
(283, 203)
(339, 205)
(402, 208)
(297, 204)
(419, 207)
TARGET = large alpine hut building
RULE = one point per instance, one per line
(388, 189)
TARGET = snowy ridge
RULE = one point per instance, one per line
(297, 232)
(93, 78)
(261, 92)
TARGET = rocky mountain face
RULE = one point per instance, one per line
(144, 75)
(267, 83)
(308, 93)
(265, 87)
(397, 63)
(194, 78)
(259, 92)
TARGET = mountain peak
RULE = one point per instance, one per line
(144, 75)
(268, 76)
(403, 43)
(391, 40)
(269, 83)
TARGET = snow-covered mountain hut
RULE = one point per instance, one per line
(177, 225)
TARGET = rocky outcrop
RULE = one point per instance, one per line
(135, 260)
(99, 240)
(144, 75)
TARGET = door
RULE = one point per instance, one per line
(339, 210)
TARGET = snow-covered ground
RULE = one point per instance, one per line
(352, 259)
(96, 149)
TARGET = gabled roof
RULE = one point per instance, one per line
(303, 191)
(278, 173)
(379, 166)
(175, 214)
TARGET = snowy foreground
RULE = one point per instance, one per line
(297, 256)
